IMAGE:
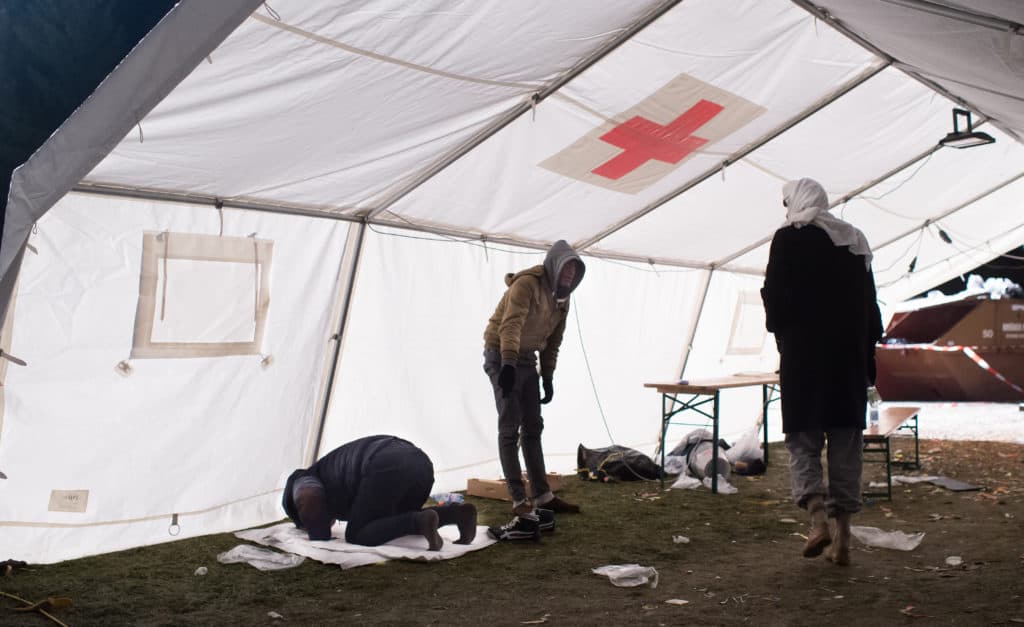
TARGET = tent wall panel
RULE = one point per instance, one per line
(175, 435)
(412, 363)
(731, 339)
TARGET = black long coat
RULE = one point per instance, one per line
(819, 301)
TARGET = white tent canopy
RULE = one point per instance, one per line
(275, 228)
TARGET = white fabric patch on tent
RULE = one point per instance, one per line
(287, 537)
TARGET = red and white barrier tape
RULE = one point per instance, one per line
(970, 353)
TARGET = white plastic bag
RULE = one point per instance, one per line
(628, 575)
(724, 487)
(686, 482)
(873, 536)
(747, 447)
(263, 559)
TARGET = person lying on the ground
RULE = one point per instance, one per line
(379, 485)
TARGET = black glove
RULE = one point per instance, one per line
(507, 379)
(549, 390)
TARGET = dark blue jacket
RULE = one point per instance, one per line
(340, 472)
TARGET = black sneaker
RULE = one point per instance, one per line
(546, 519)
(524, 527)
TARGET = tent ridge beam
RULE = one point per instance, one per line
(961, 15)
(949, 212)
(524, 106)
(961, 253)
(136, 193)
(847, 197)
(450, 234)
(415, 67)
(740, 154)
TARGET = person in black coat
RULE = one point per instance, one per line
(819, 300)
(378, 484)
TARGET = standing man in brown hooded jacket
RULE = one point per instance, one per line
(529, 319)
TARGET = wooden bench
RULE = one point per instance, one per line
(877, 447)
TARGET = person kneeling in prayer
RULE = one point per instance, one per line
(378, 484)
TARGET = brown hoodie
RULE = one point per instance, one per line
(529, 318)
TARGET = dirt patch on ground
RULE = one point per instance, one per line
(741, 566)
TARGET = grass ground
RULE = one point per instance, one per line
(742, 565)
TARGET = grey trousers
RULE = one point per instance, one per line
(845, 463)
(519, 424)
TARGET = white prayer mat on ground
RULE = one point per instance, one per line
(287, 537)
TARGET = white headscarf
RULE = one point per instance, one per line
(807, 203)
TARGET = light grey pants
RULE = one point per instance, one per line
(845, 463)
(519, 424)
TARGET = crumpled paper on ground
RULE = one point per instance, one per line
(263, 559)
(628, 575)
(898, 540)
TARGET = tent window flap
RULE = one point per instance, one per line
(201, 295)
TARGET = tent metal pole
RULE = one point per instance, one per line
(949, 212)
(987, 242)
(524, 106)
(828, 18)
(847, 197)
(960, 15)
(135, 193)
(844, 89)
(692, 332)
(338, 338)
(472, 238)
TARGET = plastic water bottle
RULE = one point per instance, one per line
(874, 400)
(447, 498)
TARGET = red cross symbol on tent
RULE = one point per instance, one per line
(659, 135)
(643, 140)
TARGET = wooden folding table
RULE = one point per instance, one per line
(702, 392)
